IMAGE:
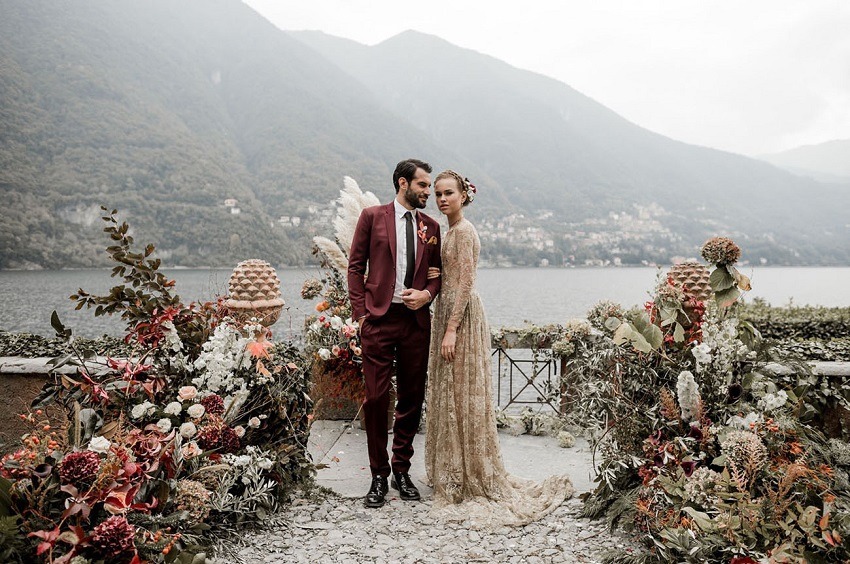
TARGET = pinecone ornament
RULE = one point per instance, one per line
(255, 292)
(693, 277)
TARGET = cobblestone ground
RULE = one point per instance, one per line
(342, 530)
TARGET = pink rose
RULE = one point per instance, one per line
(187, 393)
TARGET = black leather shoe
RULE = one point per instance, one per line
(406, 490)
(377, 492)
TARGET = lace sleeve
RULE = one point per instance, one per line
(465, 241)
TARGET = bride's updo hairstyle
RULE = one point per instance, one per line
(466, 187)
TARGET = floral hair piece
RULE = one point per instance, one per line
(471, 190)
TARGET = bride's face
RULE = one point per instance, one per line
(448, 195)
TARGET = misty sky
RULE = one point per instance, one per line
(750, 77)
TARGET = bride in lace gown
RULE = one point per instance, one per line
(463, 459)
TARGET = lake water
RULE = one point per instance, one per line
(511, 296)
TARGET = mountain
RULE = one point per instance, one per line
(551, 147)
(165, 110)
(181, 114)
(827, 162)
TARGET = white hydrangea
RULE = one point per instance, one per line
(143, 409)
(173, 408)
(770, 402)
(188, 430)
(222, 356)
(688, 395)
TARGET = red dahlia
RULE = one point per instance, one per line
(213, 404)
(113, 537)
(79, 468)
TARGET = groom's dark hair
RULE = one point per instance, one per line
(407, 169)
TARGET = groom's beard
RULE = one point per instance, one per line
(414, 200)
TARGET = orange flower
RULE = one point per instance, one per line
(322, 305)
(795, 448)
(260, 349)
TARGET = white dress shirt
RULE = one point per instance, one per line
(401, 247)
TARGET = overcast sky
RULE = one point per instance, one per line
(752, 76)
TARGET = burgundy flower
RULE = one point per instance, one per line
(688, 466)
(219, 437)
(734, 392)
(695, 433)
(79, 468)
(742, 560)
(113, 537)
(213, 404)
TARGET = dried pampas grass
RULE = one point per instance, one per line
(332, 253)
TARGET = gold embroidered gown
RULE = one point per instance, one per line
(463, 459)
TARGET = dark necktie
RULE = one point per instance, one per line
(411, 258)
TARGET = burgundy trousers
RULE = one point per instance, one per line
(397, 337)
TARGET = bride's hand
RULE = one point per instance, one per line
(447, 348)
(433, 272)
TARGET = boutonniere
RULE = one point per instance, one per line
(432, 240)
(423, 231)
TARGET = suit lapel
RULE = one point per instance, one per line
(389, 217)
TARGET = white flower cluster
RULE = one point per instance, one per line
(174, 346)
(773, 401)
(222, 356)
(328, 331)
(744, 423)
(253, 457)
(720, 346)
(144, 409)
(688, 395)
(700, 488)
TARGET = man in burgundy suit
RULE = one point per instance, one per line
(393, 247)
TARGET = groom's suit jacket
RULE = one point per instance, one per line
(374, 247)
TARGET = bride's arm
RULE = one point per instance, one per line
(464, 241)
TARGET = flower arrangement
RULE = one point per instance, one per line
(707, 452)
(149, 465)
(332, 337)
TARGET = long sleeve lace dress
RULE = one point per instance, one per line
(463, 459)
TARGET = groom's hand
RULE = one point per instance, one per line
(415, 299)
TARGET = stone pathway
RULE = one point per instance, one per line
(342, 530)
(337, 528)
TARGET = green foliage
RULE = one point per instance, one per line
(798, 322)
(27, 345)
(12, 541)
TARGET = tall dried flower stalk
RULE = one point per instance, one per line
(669, 407)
